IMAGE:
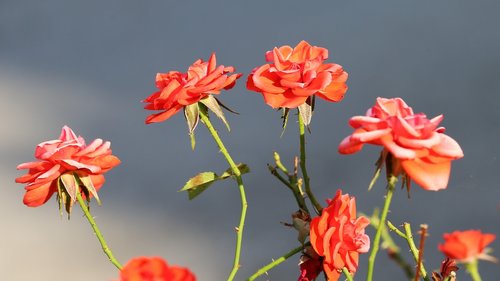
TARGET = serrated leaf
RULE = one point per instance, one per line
(86, 181)
(199, 183)
(192, 115)
(229, 172)
(211, 103)
(284, 116)
(305, 111)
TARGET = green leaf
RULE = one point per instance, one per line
(199, 183)
(229, 172)
(211, 103)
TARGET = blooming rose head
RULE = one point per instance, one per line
(154, 269)
(62, 159)
(177, 90)
(416, 143)
(466, 246)
(295, 74)
(338, 236)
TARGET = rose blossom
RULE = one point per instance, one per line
(466, 246)
(294, 74)
(424, 151)
(338, 236)
(154, 269)
(67, 154)
(177, 90)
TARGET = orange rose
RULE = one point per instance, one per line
(154, 269)
(338, 236)
(177, 90)
(295, 74)
(466, 246)
(66, 155)
(421, 147)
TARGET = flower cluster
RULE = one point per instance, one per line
(421, 147)
(338, 235)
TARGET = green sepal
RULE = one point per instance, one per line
(379, 164)
(86, 181)
(199, 183)
(284, 115)
(306, 111)
(192, 115)
(69, 187)
(211, 103)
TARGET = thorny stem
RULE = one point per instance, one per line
(292, 185)
(316, 204)
(393, 251)
(104, 245)
(414, 250)
(376, 241)
(244, 204)
(276, 262)
(421, 246)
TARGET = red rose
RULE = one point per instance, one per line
(421, 147)
(154, 269)
(338, 236)
(177, 90)
(295, 74)
(66, 155)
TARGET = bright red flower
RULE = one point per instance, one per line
(177, 90)
(294, 74)
(67, 154)
(338, 236)
(154, 269)
(466, 246)
(424, 151)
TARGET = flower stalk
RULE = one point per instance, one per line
(244, 204)
(383, 216)
(97, 232)
(472, 269)
(276, 262)
(303, 167)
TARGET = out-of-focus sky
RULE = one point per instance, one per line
(88, 64)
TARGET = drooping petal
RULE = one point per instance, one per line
(430, 176)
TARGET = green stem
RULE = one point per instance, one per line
(104, 246)
(293, 187)
(472, 268)
(393, 251)
(275, 262)
(244, 204)
(347, 274)
(414, 250)
(376, 241)
(316, 204)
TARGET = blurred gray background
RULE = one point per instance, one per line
(88, 64)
